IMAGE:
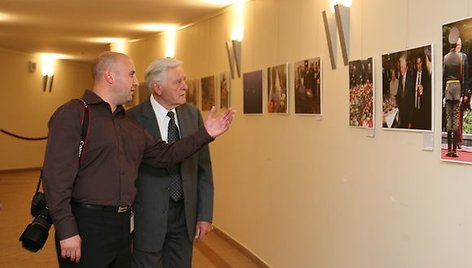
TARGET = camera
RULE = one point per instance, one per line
(36, 233)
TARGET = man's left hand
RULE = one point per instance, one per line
(219, 125)
(203, 228)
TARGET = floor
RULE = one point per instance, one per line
(16, 191)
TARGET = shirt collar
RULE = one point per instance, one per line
(159, 110)
(91, 98)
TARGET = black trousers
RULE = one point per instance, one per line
(106, 239)
(177, 249)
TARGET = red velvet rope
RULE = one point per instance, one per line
(22, 137)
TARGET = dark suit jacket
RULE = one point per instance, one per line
(405, 99)
(422, 116)
(152, 197)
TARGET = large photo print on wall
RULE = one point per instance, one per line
(456, 126)
(361, 93)
(407, 90)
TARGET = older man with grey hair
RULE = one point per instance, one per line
(174, 205)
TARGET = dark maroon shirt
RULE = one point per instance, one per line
(115, 147)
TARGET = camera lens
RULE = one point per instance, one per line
(35, 235)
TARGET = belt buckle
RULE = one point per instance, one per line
(122, 209)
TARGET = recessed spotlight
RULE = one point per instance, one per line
(107, 40)
(156, 27)
(221, 2)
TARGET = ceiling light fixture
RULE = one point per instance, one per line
(156, 27)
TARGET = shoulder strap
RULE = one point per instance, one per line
(85, 128)
(86, 115)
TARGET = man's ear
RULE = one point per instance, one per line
(156, 87)
(109, 76)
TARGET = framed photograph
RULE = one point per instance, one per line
(407, 89)
(252, 90)
(224, 89)
(307, 85)
(277, 89)
(456, 115)
(192, 92)
(361, 93)
(208, 92)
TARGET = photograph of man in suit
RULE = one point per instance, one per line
(405, 93)
(173, 206)
(421, 118)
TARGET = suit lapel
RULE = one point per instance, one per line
(151, 121)
(183, 121)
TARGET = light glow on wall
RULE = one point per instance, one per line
(170, 42)
(107, 40)
(118, 46)
(4, 17)
(237, 32)
(47, 64)
(332, 3)
(220, 2)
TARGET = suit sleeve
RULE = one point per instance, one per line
(205, 183)
(61, 165)
(160, 154)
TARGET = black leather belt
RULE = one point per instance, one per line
(120, 209)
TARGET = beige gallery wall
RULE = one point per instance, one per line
(295, 190)
(25, 108)
(302, 192)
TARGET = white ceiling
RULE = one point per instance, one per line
(72, 27)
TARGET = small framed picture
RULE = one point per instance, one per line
(361, 93)
(224, 89)
(252, 89)
(307, 80)
(208, 92)
(277, 89)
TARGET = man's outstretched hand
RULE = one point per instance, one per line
(215, 126)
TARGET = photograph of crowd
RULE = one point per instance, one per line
(252, 90)
(307, 74)
(277, 89)
(456, 126)
(407, 92)
(361, 93)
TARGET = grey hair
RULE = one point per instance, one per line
(157, 70)
(403, 57)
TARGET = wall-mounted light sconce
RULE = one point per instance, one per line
(340, 13)
(233, 48)
(342, 21)
(47, 61)
(330, 30)
(47, 79)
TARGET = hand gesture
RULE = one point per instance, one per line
(219, 125)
